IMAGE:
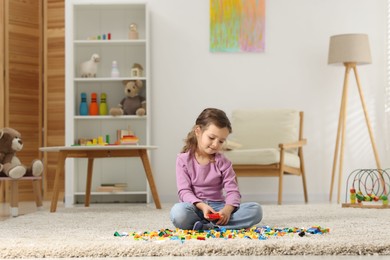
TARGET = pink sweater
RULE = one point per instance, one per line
(214, 181)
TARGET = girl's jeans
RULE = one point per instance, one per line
(185, 214)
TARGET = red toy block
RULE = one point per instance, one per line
(213, 216)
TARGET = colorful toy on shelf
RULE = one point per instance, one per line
(122, 132)
(100, 37)
(83, 105)
(367, 188)
(94, 141)
(133, 32)
(126, 136)
(103, 110)
(137, 70)
(114, 70)
(100, 141)
(93, 106)
(129, 139)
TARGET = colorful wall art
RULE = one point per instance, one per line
(237, 25)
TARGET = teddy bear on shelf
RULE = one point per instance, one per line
(133, 103)
(10, 165)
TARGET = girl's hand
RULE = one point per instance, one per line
(225, 215)
(205, 208)
(206, 211)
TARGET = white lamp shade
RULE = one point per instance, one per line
(348, 48)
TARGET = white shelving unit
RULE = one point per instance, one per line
(86, 20)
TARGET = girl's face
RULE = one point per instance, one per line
(210, 141)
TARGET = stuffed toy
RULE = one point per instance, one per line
(10, 165)
(132, 104)
(88, 69)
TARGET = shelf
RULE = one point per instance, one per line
(114, 193)
(86, 21)
(109, 42)
(107, 5)
(109, 117)
(107, 79)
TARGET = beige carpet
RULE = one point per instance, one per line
(89, 232)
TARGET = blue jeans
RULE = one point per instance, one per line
(185, 214)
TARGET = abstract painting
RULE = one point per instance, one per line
(237, 25)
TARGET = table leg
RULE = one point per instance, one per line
(149, 175)
(56, 189)
(89, 182)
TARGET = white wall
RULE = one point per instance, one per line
(292, 72)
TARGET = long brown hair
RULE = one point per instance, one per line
(208, 116)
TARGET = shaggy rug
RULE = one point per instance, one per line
(89, 232)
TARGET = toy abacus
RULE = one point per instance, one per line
(368, 188)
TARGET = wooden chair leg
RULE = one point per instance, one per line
(14, 198)
(280, 188)
(2, 191)
(303, 176)
(304, 187)
(37, 192)
(281, 172)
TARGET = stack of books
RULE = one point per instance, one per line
(112, 187)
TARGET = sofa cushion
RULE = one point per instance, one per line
(265, 128)
(261, 157)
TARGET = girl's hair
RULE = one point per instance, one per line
(208, 116)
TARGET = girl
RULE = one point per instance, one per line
(206, 181)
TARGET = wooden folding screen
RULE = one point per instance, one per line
(22, 82)
(32, 87)
(54, 88)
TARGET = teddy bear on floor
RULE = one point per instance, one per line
(133, 103)
(10, 165)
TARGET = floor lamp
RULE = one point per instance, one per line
(349, 50)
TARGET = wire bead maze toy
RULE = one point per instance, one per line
(368, 188)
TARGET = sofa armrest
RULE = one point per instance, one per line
(298, 144)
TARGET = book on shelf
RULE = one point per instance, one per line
(112, 187)
(115, 184)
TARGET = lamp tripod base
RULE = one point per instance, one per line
(340, 139)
